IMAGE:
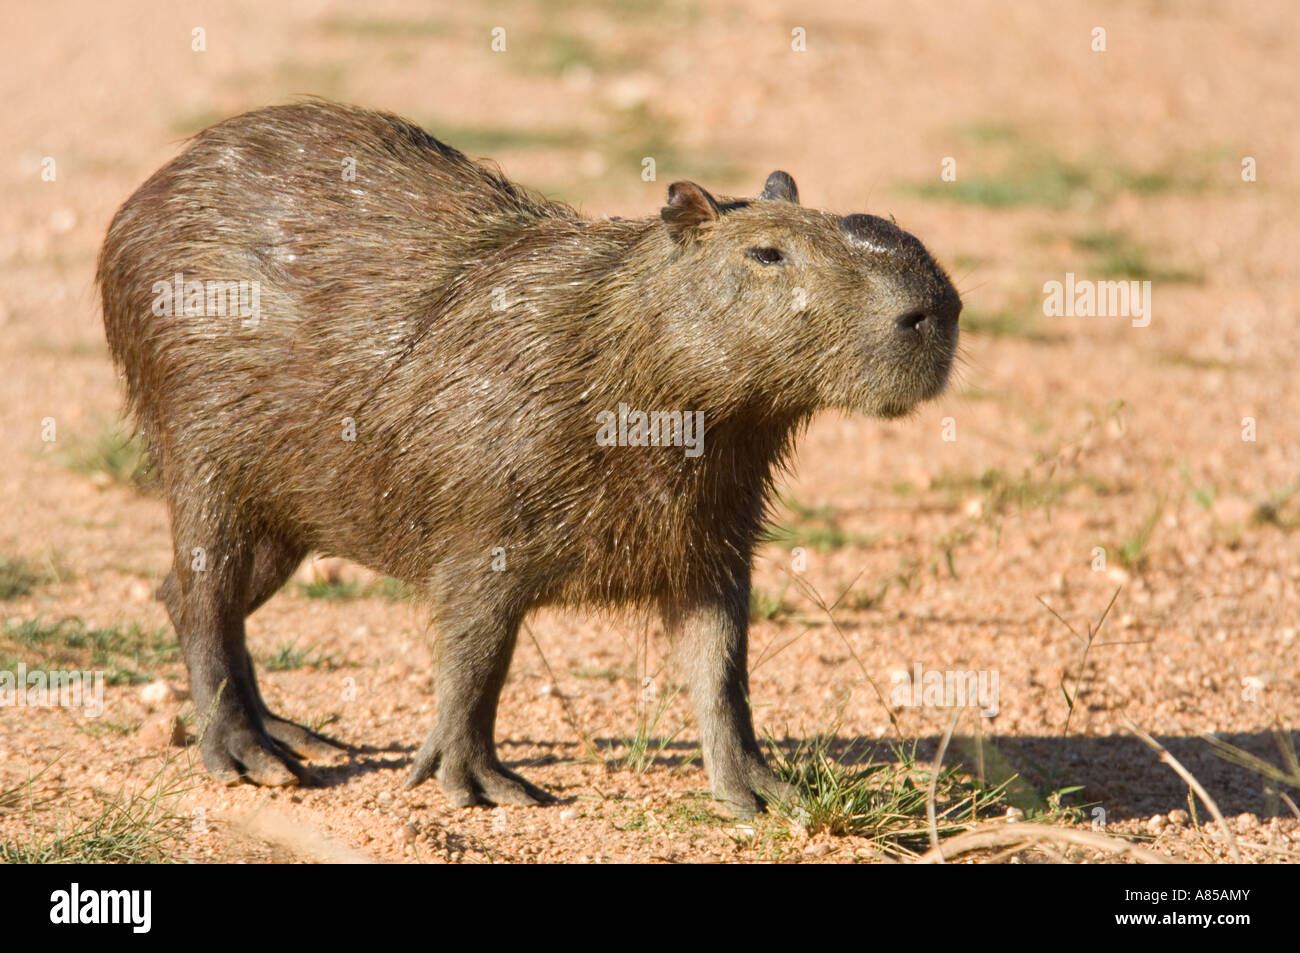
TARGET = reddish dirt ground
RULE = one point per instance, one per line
(1060, 436)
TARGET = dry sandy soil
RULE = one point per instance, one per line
(1071, 433)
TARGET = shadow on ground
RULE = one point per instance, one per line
(1118, 773)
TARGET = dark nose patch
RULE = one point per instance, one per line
(879, 235)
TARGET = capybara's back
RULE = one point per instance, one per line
(340, 334)
(339, 226)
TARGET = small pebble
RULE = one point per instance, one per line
(160, 692)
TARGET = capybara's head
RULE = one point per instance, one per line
(808, 308)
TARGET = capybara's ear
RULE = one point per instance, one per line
(779, 186)
(689, 207)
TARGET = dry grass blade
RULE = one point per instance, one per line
(1242, 758)
(934, 782)
(816, 598)
(1027, 835)
(1088, 642)
(12, 798)
(1194, 784)
(144, 826)
(593, 751)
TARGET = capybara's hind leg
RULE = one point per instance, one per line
(213, 582)
(169, 593)
(299, 739)
(475, 642)
(274, 561)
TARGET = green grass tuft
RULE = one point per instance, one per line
(999, 490)
(765, 606)
(643, 748)
(606, 674)
(1035, 176)
(388, 588)
(1132, 551)
(1118, 256)
(139, 828)
(884, 802)
(18, 577)
(286, 658)
(1276, 511)
(119, 458)
(1023, 323)
(123, 653)
(1048, 181)
(384, 29)
(818, 528)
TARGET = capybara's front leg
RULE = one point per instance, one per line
(472, 656)
(713, 646)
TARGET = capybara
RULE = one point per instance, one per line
(341, 335)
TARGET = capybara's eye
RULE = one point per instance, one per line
(765, 256)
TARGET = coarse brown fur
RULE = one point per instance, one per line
(420, 394)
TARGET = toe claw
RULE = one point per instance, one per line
(476, 779)
(419, 774)
(303, 742)
(235, 753)
(264, 768)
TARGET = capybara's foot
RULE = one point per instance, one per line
(750, 788)
(235, 751)
(474, 780)
(301, 741)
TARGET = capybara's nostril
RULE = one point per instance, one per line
(911, 321)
